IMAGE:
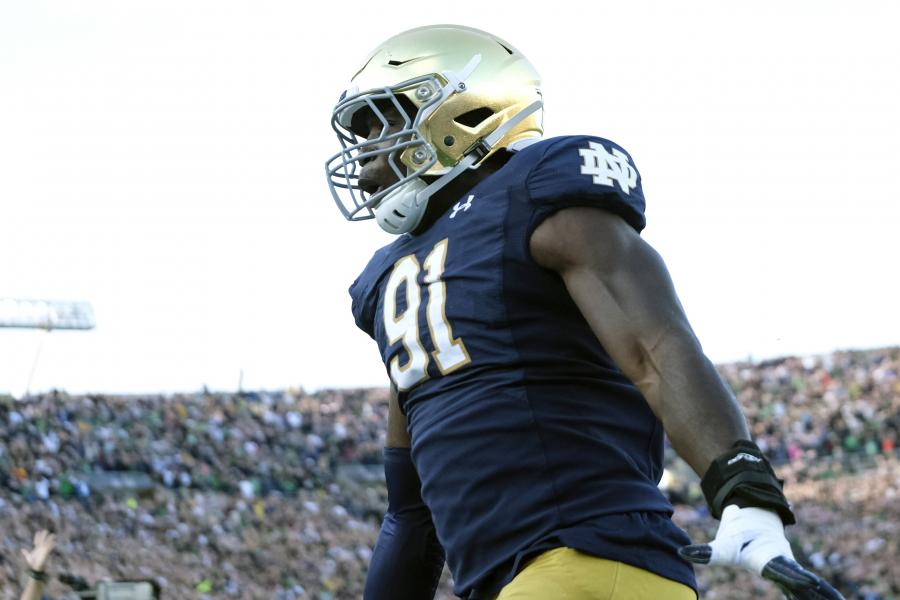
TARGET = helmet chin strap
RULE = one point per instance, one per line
(402, 210)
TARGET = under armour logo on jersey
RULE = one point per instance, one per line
(463, 207)
(606, 167)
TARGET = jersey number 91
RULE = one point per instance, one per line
(449, 353)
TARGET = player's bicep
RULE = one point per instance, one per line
(397, 433)
(618, 281)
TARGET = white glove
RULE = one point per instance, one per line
(753, 538)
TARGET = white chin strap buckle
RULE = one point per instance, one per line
(401, 210)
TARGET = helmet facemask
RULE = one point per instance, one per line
(408, 152)
(408, 147)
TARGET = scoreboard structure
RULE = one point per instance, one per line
(46, 314)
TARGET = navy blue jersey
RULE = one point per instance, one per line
(525, 434)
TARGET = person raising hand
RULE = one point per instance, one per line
(36, 559)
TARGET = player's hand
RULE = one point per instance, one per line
(753, 538)
(44, 542)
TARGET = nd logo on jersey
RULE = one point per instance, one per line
(606, 167)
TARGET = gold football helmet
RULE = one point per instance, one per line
(464, 94)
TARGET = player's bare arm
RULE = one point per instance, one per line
(625, 293)
(397, 434)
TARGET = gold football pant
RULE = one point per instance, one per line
(567, 574)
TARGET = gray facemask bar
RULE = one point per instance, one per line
(341, 168)
(342, 175)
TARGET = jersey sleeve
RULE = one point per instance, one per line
(585, 171)
(362, 307)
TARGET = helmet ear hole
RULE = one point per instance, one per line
(474, 117)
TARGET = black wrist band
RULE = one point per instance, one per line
(37, 575)
(743, 476)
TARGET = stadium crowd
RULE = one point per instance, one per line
(280, 495)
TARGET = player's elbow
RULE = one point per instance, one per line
(656, 352)
(674, 337)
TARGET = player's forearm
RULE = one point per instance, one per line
(623, 289)
(643, 327)
(407, 561)
(698, 411)
(408, 558)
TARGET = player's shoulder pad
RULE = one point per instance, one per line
(584, 170)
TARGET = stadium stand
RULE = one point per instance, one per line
(278, 495)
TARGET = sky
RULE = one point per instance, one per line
(164, 161)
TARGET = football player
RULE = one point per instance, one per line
(535, 345)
